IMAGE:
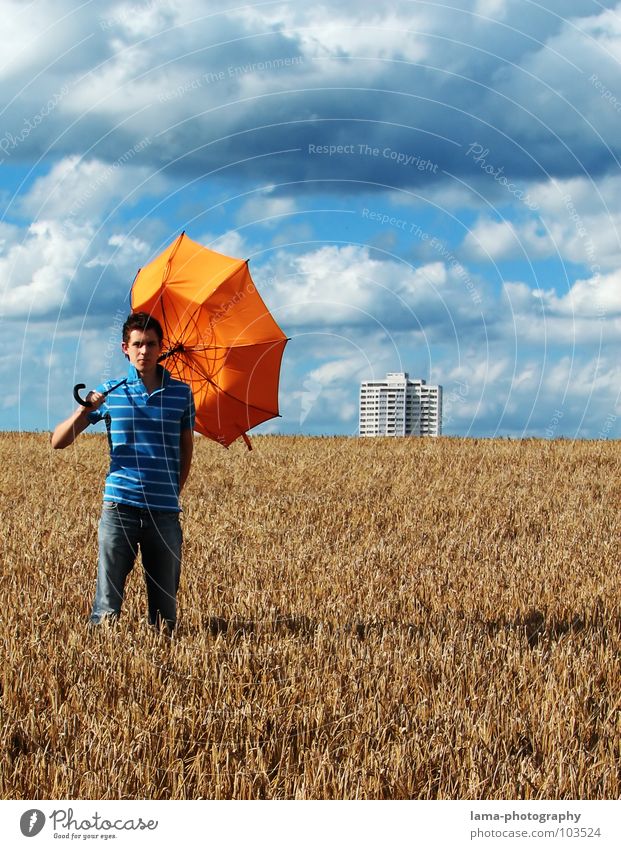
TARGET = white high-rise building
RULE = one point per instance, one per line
(398, 406)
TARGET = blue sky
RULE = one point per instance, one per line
(420, 186)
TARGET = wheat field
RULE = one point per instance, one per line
(371, 619)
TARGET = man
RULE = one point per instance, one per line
(150, 420)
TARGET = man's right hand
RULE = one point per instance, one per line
(95, 399)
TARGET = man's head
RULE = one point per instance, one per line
(142, 342)
(141, 321)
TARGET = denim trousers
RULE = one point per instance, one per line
(122, 530)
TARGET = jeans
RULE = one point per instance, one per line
(122, 529)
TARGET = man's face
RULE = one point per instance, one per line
(143, 349)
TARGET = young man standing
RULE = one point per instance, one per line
(150, 420)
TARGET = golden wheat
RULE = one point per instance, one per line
(379, 619)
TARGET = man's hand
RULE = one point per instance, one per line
(186, 450)
(95, 399)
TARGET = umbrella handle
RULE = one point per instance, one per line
(76, 395)
(83, 403)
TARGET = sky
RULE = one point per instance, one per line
(429, 187)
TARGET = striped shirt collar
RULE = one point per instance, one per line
(133, 377)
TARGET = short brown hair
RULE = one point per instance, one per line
(141, 321)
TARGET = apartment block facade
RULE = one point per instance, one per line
(398, 406)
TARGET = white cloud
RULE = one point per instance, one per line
(9, 234)
(153, 68)
(120, 85)
(575, 395)
(491, 240)
(583, 219)
(335, 371)
(266, 210)
(563, 104)
(320, 400)
(335, 285)
(24, 41)
(327, 285)
(596, 298)
(499, 240)
(121, 250)
(230, 243)
(76, 189)
(495, 9)
(387, 30)
(59, 260)
(38, 271)
(578, 221)
(139, 19)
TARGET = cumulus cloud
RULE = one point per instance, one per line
(65, 261)
(583, 220)
(335, 285)
(575, 396)
(587, 315)
(266, 209)
(229, 243)
(39, 270)
(208, 86)
(577, 221)
(77, 188)
(500, 240)
(120, 250)
(328, 393)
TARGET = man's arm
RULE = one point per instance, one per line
(187, 449)
(66, 432)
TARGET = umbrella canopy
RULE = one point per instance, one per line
(219, 336)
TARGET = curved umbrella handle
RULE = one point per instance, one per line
(76, 395)
(83, 403)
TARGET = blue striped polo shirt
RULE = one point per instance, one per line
(144, 435)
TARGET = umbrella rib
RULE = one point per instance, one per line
(228, 394)
(193, 316)
(166, 275)
(196, 367)
(241, 345)
(192, 320)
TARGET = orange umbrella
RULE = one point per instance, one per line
(219, 336)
